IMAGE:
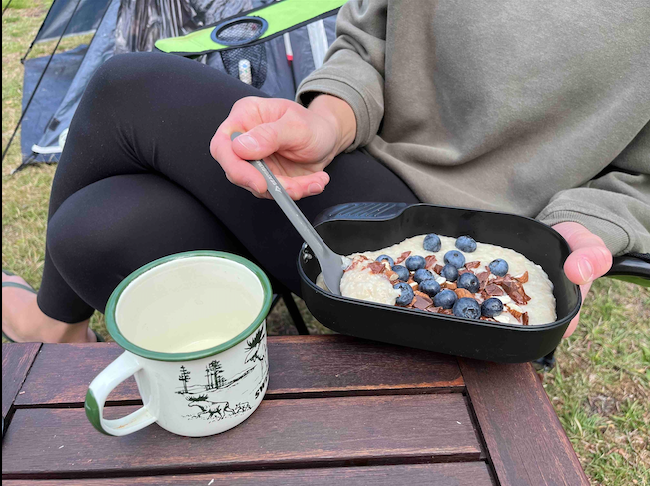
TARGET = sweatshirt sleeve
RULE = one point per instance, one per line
(616, 206)
(354, 67)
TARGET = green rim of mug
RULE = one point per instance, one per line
(114, 331)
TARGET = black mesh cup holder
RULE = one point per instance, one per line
(239, 31)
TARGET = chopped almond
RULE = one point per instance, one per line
(463, 293)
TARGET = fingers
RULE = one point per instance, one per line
(589, 258)
(303, 186)
(265, 139)
(587, 264)
(238, 171)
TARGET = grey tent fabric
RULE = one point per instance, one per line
(86, 19)
(133, 25)
(53, 88)
(140, 23)
(101, 48)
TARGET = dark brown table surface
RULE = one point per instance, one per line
(338, 411)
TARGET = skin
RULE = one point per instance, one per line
(297, 144)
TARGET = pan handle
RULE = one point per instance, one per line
(633, 267)
(361, 210)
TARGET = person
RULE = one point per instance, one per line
(538, 109)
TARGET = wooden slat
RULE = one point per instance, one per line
(525, 440)
(17, 359)
(59, 443)
(299, 366)
(458, 474)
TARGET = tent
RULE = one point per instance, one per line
(53, 84)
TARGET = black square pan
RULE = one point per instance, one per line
(357, 227)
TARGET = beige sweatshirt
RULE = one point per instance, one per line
(513, 106)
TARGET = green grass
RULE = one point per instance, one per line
(600, 388)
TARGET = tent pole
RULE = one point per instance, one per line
(6, 7)
(22, 115)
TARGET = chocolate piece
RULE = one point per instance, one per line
(513, 288)
(421, 303)
(430, 261)
(437, 268)
(463, 293)
(482, 279)
(449, 285)
(376, 267)
(402, 257)
(423, 295)
(449, 312)
(433, 308)
(474, 264)
(524, 318)
(493, 289)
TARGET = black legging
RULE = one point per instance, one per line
(136, 182)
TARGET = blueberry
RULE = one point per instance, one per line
(429, 287)
(455, 258)
(401, 271)
(414, 263)
(385, 257)
(468, 281)
(498, 267)
(445, 299)
(466, 243)
(467, 307)
(432, 242)
(450, 272)
(422, 274)
(491, 307)
(406, 295)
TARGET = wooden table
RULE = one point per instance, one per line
(338, 411)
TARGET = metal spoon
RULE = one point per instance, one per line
(330, 263)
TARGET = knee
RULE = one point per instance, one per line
(129, 77)
(77, 241)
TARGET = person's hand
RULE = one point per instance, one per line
(296, 143)
(589, 259)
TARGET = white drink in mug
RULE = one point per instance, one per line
(194, 332)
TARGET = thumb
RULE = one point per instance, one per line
(589, 258)
(262, 141)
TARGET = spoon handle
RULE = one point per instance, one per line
(291, 210)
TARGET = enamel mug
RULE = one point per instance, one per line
(193, 327)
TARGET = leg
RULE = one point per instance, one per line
(155, 113)
(161, 111)
(129, 221)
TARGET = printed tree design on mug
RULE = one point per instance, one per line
(254, 347)
(213, 373)
(184, 376)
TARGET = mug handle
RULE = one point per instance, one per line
(114, 374)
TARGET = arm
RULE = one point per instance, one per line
(616, 206)
(354, 67)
